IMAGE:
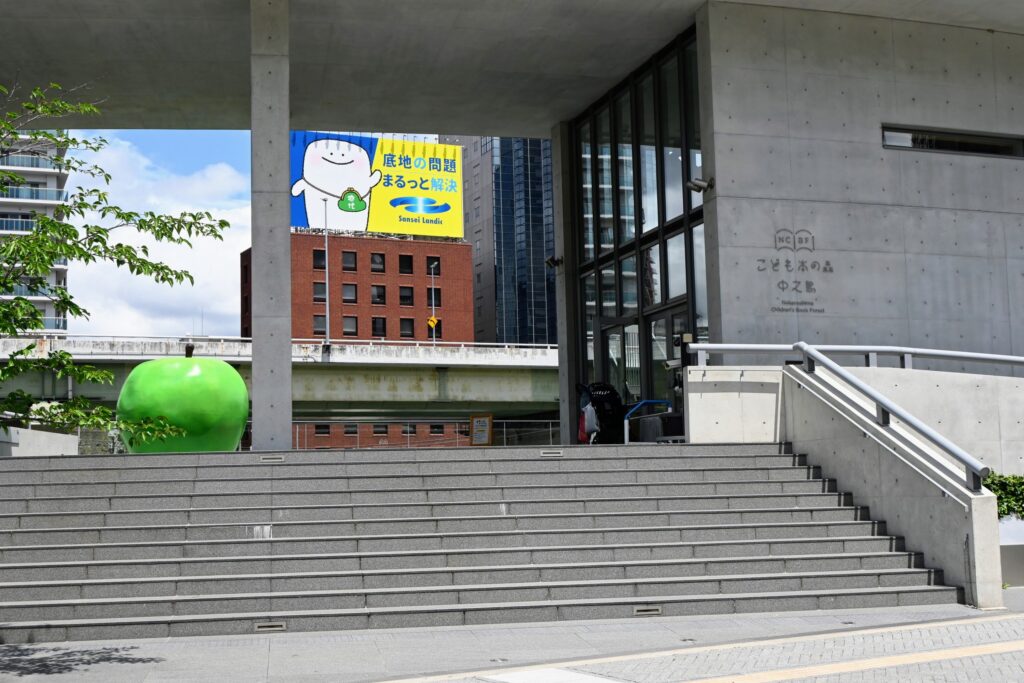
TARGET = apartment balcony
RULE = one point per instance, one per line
(17, 225)
(26, 291)
(60, 324)
(38, 194)
(28, 161)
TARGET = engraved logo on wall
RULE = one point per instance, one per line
(795, 272)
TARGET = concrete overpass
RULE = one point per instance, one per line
(351, 379)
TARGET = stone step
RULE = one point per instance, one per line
(310, 513)
(697, 464)
(467, 614)
(419, 525)
(440, 541)
(276, 560)
(410, 481)
(451, 576)
(331, 456)
(539, 591)
(442, 495)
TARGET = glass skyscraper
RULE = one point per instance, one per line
(510, 222)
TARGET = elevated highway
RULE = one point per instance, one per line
(367, 379)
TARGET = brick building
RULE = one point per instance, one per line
(378, 288)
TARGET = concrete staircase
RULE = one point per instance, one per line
(155, 546)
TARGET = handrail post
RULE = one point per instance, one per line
(907, 361)
(973, 481)
(702, 358)
(882, 416)
(871, 359)
(808, 362)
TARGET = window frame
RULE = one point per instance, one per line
(355, 293)
(345, 267)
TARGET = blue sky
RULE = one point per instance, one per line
(170, 171)
(186, 151)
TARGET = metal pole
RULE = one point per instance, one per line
(433, 302)
(327, 282)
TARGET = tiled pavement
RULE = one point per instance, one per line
(358, 656)
(929, 652)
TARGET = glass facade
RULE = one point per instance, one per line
(524, 236)
(640, 232)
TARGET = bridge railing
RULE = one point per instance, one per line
(239, 349)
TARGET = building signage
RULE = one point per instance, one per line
(796, 272)
(481, 430)
(354, 183)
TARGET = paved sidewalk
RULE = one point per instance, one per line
(985, 648)
(358, 656)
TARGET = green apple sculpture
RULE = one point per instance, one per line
(205, 397)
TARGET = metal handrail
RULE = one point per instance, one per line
(975, 470)
(310, 342)
(637, 406)
(870, 353)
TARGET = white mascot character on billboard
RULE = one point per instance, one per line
(337, 181)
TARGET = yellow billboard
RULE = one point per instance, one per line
(352, 183)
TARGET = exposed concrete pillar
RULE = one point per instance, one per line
(566, 281)
(271, 246)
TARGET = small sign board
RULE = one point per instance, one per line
(481, 430)
(432, 321)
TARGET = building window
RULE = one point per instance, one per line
(380, 430)
(378, 295)
(434, 333)
(437, 429)
(350, 325)
(405, 264)
(377, 263)
(405, 296)
(349, 293)
(951, 141)
(433, 265)
(408, 430)
(348, 261)
(434, 297)
(319, 324)
(670, 120)
(322, 429)
(319, 259)
(675, 248)
(319, 292)
(379, 327)
(407, 328)
(351, 429)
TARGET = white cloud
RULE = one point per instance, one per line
(124, 304)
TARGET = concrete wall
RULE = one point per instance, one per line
(911, 486)
(983, 414)
(15, 442)
(915, 491)
(900, 247)
(733, 404)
